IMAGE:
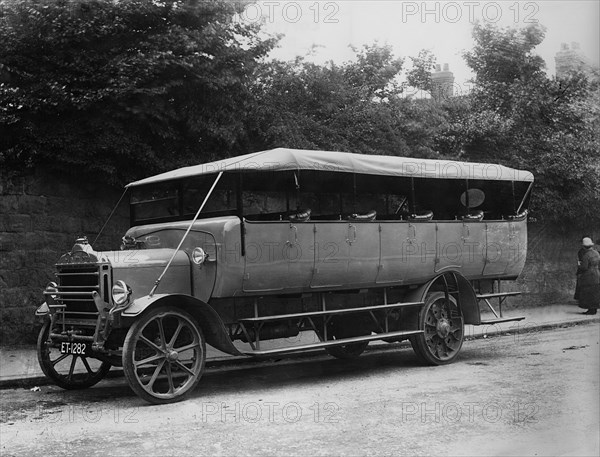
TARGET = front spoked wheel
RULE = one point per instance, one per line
(164, 355)
(69, 371)
(443, 330)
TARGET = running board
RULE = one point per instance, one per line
(499, 321)
(334, 343)
(330, 312)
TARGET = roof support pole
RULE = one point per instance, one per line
(186, 234)
(525, 197)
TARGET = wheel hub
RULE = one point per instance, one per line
(443, 328)
(172, 356)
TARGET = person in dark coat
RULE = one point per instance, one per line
(580, 253)
(589, 278)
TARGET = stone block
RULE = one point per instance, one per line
(12, 186)
(32, 204)
(12, 260)
(56, 206)
(33, 241)
(15, 223)
(9, 204)
(46, 223)
(91, 226)
(19, 297)
(9, 242)
(26, 278)
(48, 185)
(18, 326)
(55, 222)
(59, 243)
(72, 224)
(11, 278)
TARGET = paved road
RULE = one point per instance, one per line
(524, 394)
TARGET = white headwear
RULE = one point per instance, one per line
(587, 242)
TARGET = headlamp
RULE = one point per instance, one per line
(199, 256)
(120, 293)
(52, 290)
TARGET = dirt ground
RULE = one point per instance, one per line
(522, 394)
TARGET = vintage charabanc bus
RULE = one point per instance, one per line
(283, 251)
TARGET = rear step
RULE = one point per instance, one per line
(501, 296)
(501, 320)
(497, 294)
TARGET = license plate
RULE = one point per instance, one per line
(73, 348)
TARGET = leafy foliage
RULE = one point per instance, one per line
(419, 76)
(357, 107)
(123, 88)
(522, 118)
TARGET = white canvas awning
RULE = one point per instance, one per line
(282, 159)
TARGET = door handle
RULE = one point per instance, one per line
(466, 233)
(295, 230)
(353, 229)
(411, 237)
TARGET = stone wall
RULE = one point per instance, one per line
(549, 273)
(41, 215)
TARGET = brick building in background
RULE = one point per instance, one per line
(442, 82)
(570, 59)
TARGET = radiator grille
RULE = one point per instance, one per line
(75, 287)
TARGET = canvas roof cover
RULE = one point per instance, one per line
(282, 159)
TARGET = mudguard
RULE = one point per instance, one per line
(468, 299)
(212, 326)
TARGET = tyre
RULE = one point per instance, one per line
(163, 355)
(68, 371)
(443, 330)
(349, 351)
(346, 328)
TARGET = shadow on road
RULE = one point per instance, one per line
(264, 375)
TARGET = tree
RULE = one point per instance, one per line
(124, 88)
(356, 107)
(522, 118)
(419, 76)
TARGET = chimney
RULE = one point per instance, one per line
(442, 83)
(570, 59)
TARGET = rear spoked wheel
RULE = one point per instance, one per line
(443, 330)
(163, 355)
(69, 371)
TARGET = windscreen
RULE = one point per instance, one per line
(180, 200)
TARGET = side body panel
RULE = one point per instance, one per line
(461, 246)
(141, 268)
(279, 257)
(266, 244)
(346, 254)
(420, 251)
(394, 244)
(506, 248)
